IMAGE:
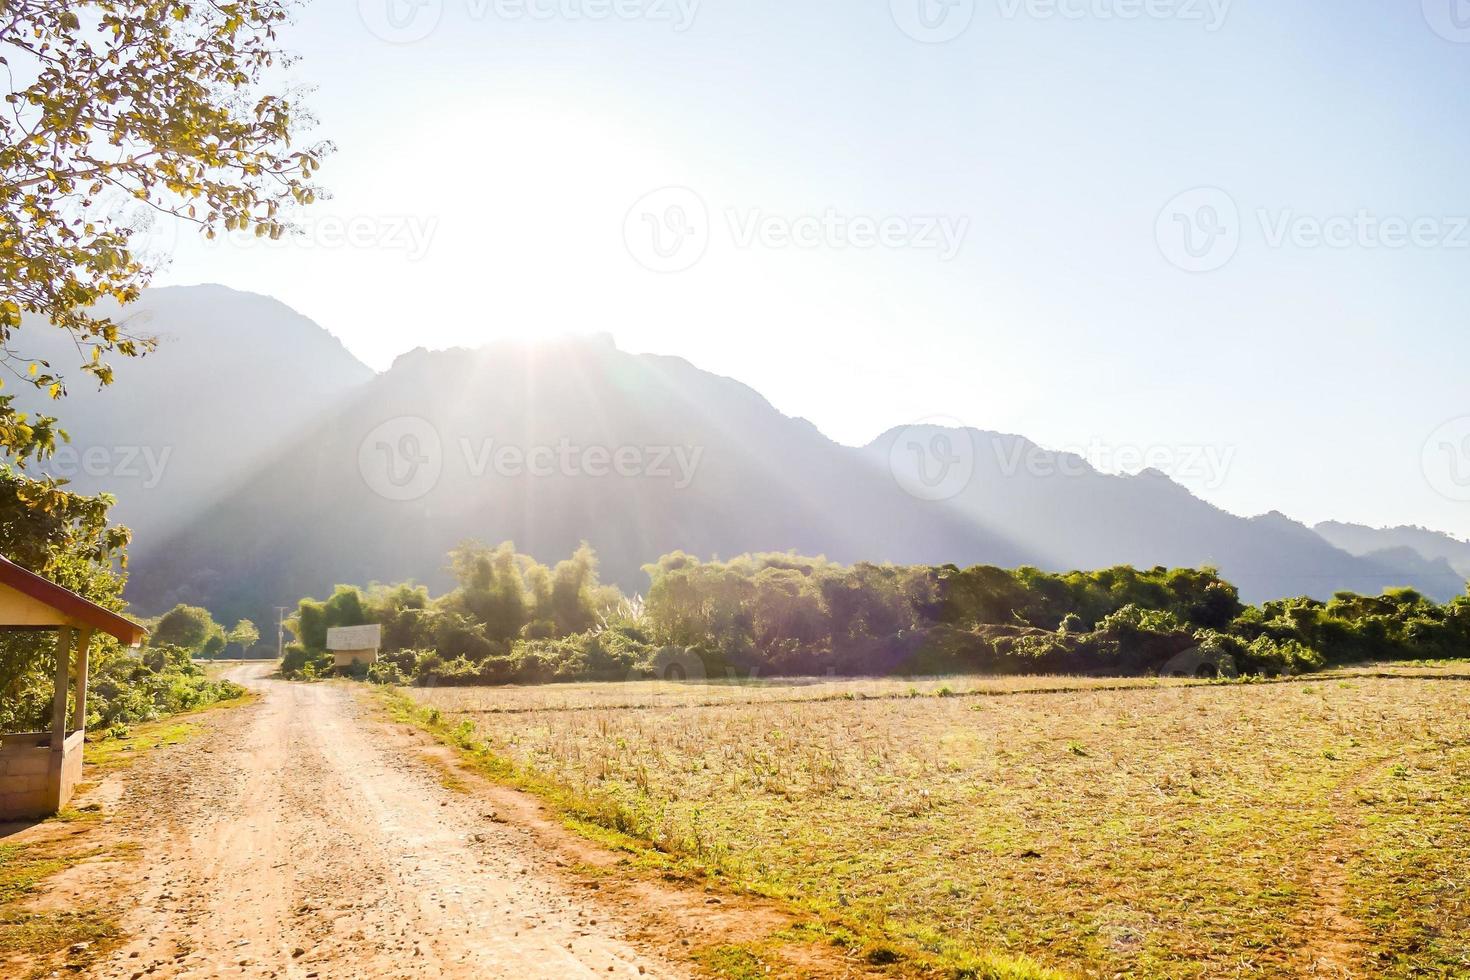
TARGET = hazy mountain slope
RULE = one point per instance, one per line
(318, 514)
(259, 462)
(1430, 545)
(1068, 515)
(234, 376)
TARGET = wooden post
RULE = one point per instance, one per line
(63, 675)
(79, 717)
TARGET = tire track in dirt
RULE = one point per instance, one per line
(1335, 940)
(1336, 943)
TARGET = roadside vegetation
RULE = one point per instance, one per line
(28, 935)
(511, 619)
(230, 158)
(1159, 828)
(126, 687)
(69, 540)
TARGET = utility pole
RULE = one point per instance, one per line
(281, 631)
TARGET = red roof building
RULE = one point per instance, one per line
(40, 771)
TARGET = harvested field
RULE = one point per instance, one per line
(1154, 828)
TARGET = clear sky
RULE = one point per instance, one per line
(873, 225)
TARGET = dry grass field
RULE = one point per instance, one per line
(1137, 828)
(514, 699)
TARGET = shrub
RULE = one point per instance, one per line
(1272, 657)
(385, 672)
(128, 688)
(301, 663)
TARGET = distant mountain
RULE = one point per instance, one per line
(259, 461)
(553, 443)
(1431, 546)
(679, 459)
(234, 378)
(1065, 514)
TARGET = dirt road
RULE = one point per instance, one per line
(302, 837)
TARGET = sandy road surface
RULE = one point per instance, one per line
(299, 843)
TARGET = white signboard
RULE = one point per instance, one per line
(355, 637)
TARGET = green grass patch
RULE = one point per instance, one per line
(45, 935)
(23, 869)
(733, 962)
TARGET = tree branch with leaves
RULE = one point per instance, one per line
(119, 111)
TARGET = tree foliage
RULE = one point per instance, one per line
(66, 538)
(501, 598)
(243, 634)
(511, 619)
(117, 111)
(187, 627)
(120, 110)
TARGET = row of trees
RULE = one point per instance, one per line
(511, 618)
(502, 598)
(193, 629)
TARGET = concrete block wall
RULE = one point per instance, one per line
(34, 781)
(71, 768)
(346, 658)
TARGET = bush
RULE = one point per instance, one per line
(128, 688)
(300, 663)
(385, 672)
(1272, 657)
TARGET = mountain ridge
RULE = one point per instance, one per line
(233, 371)
(308, 488)
(1431, 545)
